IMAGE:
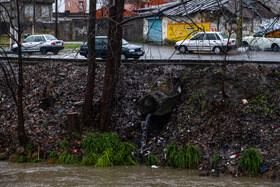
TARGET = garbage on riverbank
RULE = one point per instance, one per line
(247, 117)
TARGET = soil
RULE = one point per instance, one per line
(247, 116)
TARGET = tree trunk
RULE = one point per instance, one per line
(21, 129)
(73, 124)
(113, 61)
(88, 108)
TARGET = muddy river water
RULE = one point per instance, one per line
(29, 174)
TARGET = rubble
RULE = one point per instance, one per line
(225, 126)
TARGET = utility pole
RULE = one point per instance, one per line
(239, 23)
(33, 20)
(56, 18)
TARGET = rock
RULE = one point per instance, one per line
(20, 150)
(3, 156)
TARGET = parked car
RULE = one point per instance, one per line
(40, 43)
(128, 50)
(216, 42)
(261, 40)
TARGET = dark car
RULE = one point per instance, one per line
(128, 50)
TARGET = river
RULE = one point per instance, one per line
(42, 174)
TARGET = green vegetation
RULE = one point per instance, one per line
(187, 157)
(215, 159)
(67, 158)
(64, 145)
(152, 160)
(53, 154)
(72, 46)
(102, 150)
(261, 104)
(250, 161)
(196, 101)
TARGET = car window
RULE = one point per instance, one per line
(104, 42)
(124, 42)
(39, 39)
(197, 37)
(98, 41)
(223, 35)
(258, 34)
(30, 39)
(217, 36)
(210, 36)
(50, 37)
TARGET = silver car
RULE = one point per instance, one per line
(216, 42)
(40, 43)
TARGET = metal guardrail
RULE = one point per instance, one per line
(32, 60)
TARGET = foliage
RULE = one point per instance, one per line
(250, 161)
(187, 157)
(67, 158)
(106, 149)
(28, 148)
(215, 159)
(152, 160)
(53, 154)
(89, 159)
(170, 152)
(261, 104)
(64, 145)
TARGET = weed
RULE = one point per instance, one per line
(219, 73)
(67, 158)
(89, 159)
(170, 152)
(53, 154)
(106, 159)
(187, 157)
(21, 159)
(215, 159)
(152, 160)
(108, 149)
(250, 161)
(28, 148)
(64, 145)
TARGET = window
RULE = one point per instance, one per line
(81, 5)
(39, 39)
(210, 37)
(198, 37)
(69, 3)
(30, 39)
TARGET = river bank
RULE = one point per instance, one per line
(248, 116)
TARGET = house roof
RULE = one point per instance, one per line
(252, 8)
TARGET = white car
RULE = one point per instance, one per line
(263, 41)
(40, 43)
(216, 42)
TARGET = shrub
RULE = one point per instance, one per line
(187, 157)
(106, 149)
(152, 160)
(250, 161)
(67, 158)
(215, 159)
(53, 154)
(64, 145)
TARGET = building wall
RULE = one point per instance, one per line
(74, 6)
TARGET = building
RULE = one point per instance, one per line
(175, 22)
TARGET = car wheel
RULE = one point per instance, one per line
(43, 51)
(217, 50)
(245, 44)
(55, 52)
(86, 55)
(123, 57)
(136, 58)
(183, 49)
(275, 47)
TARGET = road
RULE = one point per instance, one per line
(157, 52)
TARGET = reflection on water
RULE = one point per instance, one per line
(28, 174)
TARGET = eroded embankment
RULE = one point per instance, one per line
(248, 116)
